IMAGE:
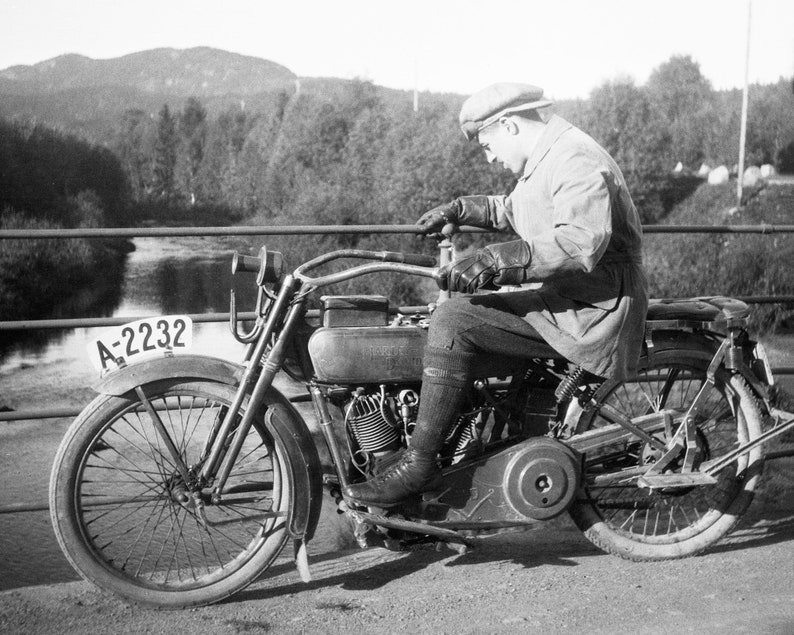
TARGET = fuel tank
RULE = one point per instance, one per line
(368, 354)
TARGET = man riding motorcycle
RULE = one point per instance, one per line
(580, 236)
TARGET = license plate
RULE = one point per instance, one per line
(136, 341)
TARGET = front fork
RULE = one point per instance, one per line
(261, 378)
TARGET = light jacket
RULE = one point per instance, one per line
(573, 209)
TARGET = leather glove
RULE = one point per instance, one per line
(511, 261)
(468, 274)
(490, 268)
(465, 210)
(439, 216)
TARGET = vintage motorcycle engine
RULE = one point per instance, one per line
(359, 346)
(379, 420)
(376, 365)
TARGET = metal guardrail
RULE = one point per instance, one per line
(303, 230)
(71, 323)
(243, 230)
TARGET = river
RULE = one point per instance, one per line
(162, 276)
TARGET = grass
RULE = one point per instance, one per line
(727, 264)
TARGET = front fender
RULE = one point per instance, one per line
(183, 366)
(281, 419)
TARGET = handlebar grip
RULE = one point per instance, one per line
(241, 263)
(420, 260)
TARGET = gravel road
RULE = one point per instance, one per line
(546, 580)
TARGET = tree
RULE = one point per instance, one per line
(165, 154)
(770, 123)
(193, 133)
(621, 118)
(683, 100)
(133, 145)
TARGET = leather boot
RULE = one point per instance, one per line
(415, 470)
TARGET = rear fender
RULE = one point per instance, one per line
(695, 344)
(706, 347)
(281, 419)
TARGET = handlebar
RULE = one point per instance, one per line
(268, 265)
(420, 260)
(396, 262)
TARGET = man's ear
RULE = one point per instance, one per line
(510, 125)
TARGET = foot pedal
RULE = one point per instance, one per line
(666, 481)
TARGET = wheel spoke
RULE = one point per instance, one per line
(136, 509)
(618, 511)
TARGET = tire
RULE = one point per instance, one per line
(660, 524)
(114, 507)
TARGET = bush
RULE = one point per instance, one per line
(685, 265)
(45, 277)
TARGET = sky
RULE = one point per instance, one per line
(568, 47)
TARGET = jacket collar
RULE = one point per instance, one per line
(554, 130)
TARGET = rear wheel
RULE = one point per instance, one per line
(128, 519)
(644, 524)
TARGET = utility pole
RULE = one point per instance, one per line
(743, 129)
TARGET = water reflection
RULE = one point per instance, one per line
(162, 276)
(98, 298)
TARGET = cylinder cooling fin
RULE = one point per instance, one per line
(368, 425)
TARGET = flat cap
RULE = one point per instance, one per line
(489, 104)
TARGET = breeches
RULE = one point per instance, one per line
(488, 326)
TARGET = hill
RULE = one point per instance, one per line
(87, 97)
(200, 72)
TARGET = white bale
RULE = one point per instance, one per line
(704, 170)
(752, 176)
(768, 170)
(719, 175)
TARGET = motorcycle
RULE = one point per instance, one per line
(184, 479)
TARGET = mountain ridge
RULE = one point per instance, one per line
(198, 71)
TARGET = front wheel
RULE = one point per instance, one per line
(128, 521)
(643, 524)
